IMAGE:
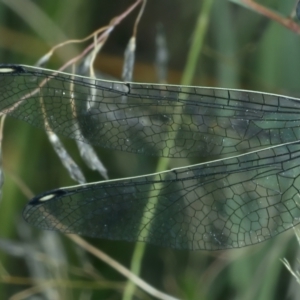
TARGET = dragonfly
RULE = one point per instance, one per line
(247, 191)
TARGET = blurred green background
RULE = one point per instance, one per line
(241, 50)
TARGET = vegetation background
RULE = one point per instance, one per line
(241, 49)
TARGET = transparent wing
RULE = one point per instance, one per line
(164, 120)
(223, 204)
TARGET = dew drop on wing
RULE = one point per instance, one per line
(206, 237)
(242, 244)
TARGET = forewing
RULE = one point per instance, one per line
(163, 120)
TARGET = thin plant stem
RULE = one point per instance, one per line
(188, 74)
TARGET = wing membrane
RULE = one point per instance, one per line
(223, 204)
(163, 120)
(228, 203)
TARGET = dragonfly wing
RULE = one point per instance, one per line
(163, 120)
(223, 204)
